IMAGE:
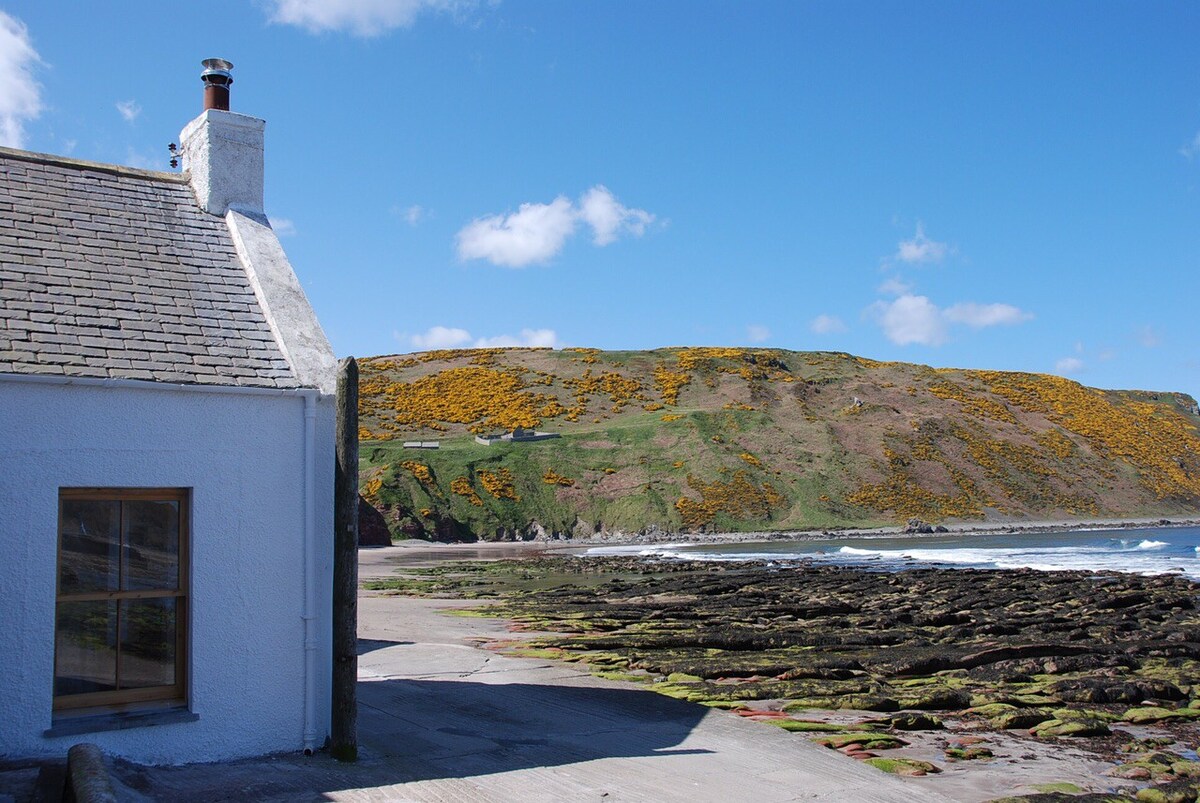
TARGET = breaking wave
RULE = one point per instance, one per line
(1156, 552)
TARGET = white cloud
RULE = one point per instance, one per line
(142, 160)
(600, 209)
(413, 215)
(978, 316)
(911, 319)
(916, 319)
(445, 337)
(757, 333)
(1191, 149)
(1147, 337)
(365, 18)
(544, 338)
(827, 325)
(895, 287)
(921, 249)
(441, 337)
(20, 94)
(129, 109)
(1068, 365)
(536, 233)
(284, 227)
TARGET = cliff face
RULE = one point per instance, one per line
(724, 439)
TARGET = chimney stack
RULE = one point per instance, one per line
(217, 79)
(223, 151)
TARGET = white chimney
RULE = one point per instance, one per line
(223, 151)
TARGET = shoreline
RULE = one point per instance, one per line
(965, 672)
(494, 549)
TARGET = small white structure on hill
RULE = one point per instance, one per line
(166, 459)
(518, 435)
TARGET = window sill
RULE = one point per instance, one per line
(96, 723)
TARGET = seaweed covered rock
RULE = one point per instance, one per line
(1059, 728)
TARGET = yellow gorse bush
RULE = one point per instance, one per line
(484, 398)
(973, 403)
(462, 487)
(553, 478)
(739, 497)
(498, 483)
(669, 383)
(1155, 439)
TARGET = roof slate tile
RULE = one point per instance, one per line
(118, 273)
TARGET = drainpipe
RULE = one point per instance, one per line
(310, 575)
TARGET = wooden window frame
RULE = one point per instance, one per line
(131, 699)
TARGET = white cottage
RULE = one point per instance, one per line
(166, 459)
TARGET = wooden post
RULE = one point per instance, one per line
(344, 736)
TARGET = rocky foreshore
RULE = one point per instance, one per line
(922, 672)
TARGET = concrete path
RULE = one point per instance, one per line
(441, 720)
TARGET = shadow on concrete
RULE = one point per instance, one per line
(462, 728)
(367, 645)
(420, 730)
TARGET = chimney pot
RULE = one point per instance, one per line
(223, 151)
(217, 78)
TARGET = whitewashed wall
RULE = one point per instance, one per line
(242, 456)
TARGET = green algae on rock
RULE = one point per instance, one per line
(1072, 727)
(903, 766)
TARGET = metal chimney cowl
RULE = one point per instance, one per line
(217, 78)
(222, 150)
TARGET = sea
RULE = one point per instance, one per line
(1150, 550)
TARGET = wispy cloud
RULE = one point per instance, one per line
(439, 337)
(921, 249)
(977, 316)
(537, 232)
(284, 227)
(543, 338)
(757, 333)
(1068, 365)
(915, 319)
(447, 337)
(142, 159)
(1192, 149)
(1147, 337)
(827, 325)
(412, 215)
(363, 18)
(894, 286)
(129, 109)
(20, 94)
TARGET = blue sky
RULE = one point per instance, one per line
(1011, 185)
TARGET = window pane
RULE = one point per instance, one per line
(147, 643)
(89, 531)
(85, 650)
(151, 545)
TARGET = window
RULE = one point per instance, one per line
(121, 613)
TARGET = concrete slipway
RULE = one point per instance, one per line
(441, 720)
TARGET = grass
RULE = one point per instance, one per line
(810, 443)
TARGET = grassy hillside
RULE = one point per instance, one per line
(724, 439)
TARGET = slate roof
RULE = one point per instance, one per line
(107, 271)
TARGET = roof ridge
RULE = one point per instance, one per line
(119, 170)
